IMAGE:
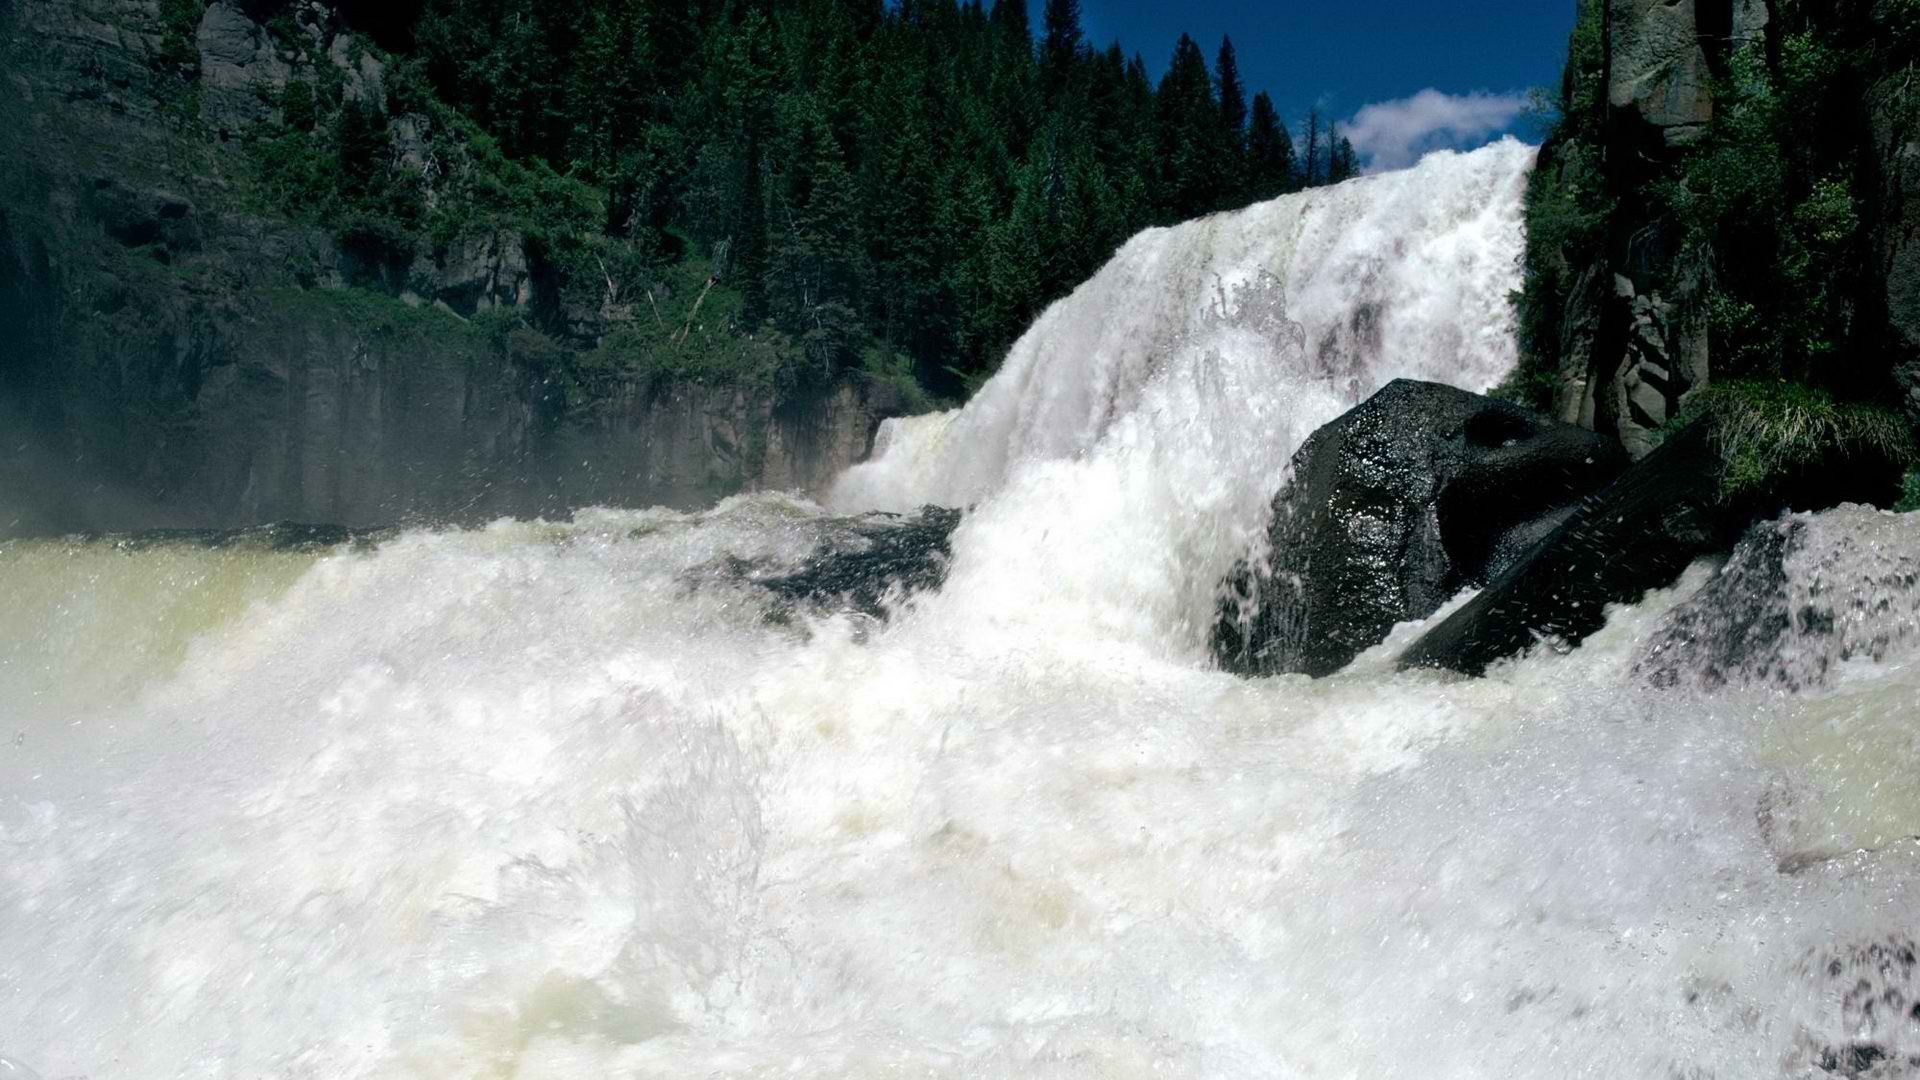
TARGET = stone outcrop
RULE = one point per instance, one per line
(1663, 361)
(1659, 70)
(241, 71)
(1393, 508)
(1647, 348)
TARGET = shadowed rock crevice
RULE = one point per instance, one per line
(1639, 534)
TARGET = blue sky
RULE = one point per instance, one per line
(1480, 57)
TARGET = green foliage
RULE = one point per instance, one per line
(1567, 211)
(1779, 204)
(1531, 387)
(1773, 221)
(1767, 430)
(846, 179)
(896, 370)
(1761, 230)
(179, 26)
(1910, 494)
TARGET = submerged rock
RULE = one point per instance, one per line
(1394, 507)
(1870, 992)
(865, 566)
(1799, 597)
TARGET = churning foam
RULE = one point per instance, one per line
(554, 800)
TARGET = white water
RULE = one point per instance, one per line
(536, 801)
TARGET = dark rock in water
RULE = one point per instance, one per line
(1393, 508)
(1638, 534)
(1870, 995)
(876, 560)
(1799, 596)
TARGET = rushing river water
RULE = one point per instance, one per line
(558, 800)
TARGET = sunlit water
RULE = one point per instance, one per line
(556, 800)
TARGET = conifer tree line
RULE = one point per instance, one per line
(923, 176)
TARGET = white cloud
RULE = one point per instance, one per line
(1394, 134)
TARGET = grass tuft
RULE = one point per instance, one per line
(1766, 431)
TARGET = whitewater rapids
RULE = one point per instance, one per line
(546, 800)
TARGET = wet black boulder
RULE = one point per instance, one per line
(1393, 508)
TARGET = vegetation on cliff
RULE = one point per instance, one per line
(840, 186)
(1766, 231)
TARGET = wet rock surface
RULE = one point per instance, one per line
(1393, 508)
(1872, 992)
(864, 565)
(1799, 597)
(1640, 533)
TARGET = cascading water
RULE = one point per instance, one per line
(557, 800)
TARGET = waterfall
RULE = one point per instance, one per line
(570, 800)
(1145, 421)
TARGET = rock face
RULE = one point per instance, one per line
(1393, 508)
(1629, 339)
(1638, 534)
(303, 410)
(171, 356)
(1663, 361)
(1646, 340)
(1659, 66)
(240, 70)
(1799, 597)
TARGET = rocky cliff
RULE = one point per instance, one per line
(1727, 194)
(175, 350)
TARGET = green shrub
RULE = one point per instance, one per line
(1529, 386)
(1566, 212)
(889, 368)
(1910, 494)
(179, 27)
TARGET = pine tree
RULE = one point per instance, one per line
(812, 266)
(1060, 47)
(1341, 162)
(1233, 124)
(1270, 166)
(1189, 142)
(610, 91)
(1312, 173)
(1233, 95)
(918, 177)
(1010, 16)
